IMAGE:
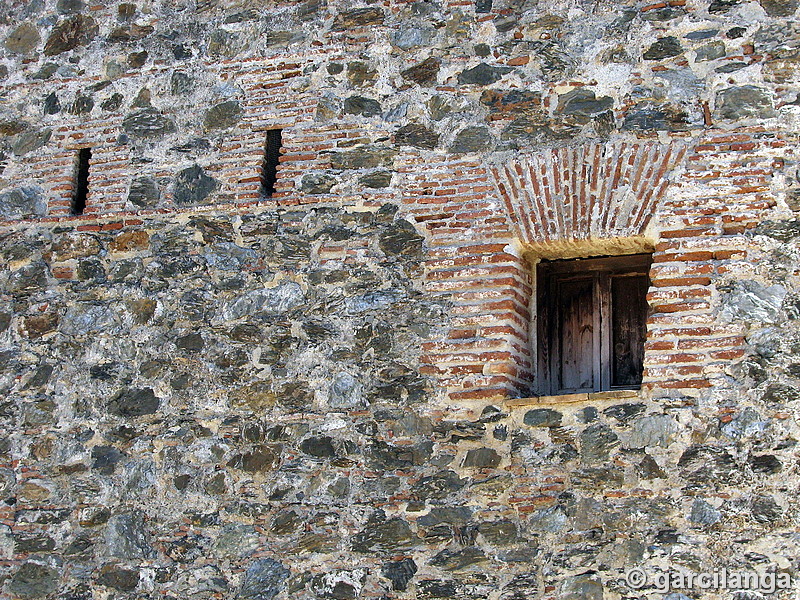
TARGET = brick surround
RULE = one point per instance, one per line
(485, 223)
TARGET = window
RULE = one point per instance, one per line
(269, 168)
(591, 323)
(81, 181)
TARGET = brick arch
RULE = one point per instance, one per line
(591, 191)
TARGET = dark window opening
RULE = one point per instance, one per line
(81, 181)
(591, 323)
(272, 154)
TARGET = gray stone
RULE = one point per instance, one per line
(365, 157)
(730, 67)
(705, 465)
(702, 34)
(180, 83)
(765, 464)
(597, 441)
(227, 256)
(703, 513)
(383, 536)
(264, 579)
(119, 578)
(318, 446)
(143, 98)
(223, 43)
(310, 9)
(399, 572)
(76, 31)
(23, 39)
(580, 587)
(144, 192)
(137, 60)
(745, 102)
(459, 560)
(542, 417)
(345, 392)
(583, 104)
(105, 459)
(317, 183)
(112, 103)
(482, 74)
(283, 39)
(401, 239)
(661, 117)
(516, 103)
(453, 516)
(70, 6)
(720, 6)
(193, 186)
(378, 300)
(754, 302)
(376, 179)
(781, 394)
(471, 139)
(134, 402)
(235, 541)
(30, 140)
(483, 6)
(656, 430)
(683, 86)
(667, 13)
(359, 17)
(748, 422)
(126, 537)
(359, 105)
(779, 8)
(360, 73)
(223, 115)
(22, 202)
(482, 458)
(428, 589)
(784, 231)
(624, 412)
(711, 51)
(424, 72)
(28, 279)
(147, 123)
(648, 469)
(30, 542)
(261, 459)
(665, 47)
(82, 105)
(438, 486)
(499, 533)
(34, 580)
(192, 342)
(765, 510)
(417, 135)
(84, 318)
(412, 36)
(268, 301)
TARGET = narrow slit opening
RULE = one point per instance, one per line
(81, 181)
(269, 169)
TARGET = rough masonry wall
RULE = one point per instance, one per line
(209, 393)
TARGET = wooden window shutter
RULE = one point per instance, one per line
(592, 317)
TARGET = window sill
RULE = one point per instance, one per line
(572, 398)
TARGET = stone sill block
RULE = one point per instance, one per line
(572, 398)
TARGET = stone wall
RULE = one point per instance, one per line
(326, 393)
